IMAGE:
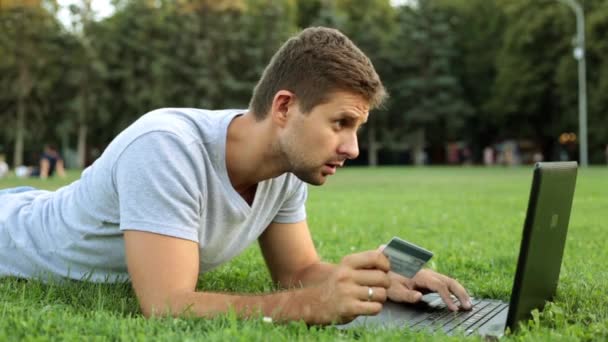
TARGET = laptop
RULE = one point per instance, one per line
(535, 283)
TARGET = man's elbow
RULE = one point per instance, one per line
(149, 310)
(146, 310)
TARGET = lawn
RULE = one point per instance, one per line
(471, 218)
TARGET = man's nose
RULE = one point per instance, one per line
(350, 147)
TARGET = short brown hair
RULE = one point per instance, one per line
(314, 63)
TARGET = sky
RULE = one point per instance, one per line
(102, 9)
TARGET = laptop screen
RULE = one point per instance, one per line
(543, 240)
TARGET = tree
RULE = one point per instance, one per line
(27, 46)
(84, 75)
(205, 54)
(426, 91)
(597, 50)
(525, 92)
(479, 27)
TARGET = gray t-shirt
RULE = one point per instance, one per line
(166, 174)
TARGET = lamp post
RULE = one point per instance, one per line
(579, 55)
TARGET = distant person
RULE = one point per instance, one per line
(50, 162)
(488, 156)
(4, 169)
(183, 190)
(509, 156)
(538, 157)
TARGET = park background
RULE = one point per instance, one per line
(463, 75)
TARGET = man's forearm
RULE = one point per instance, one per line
(295, 304)
(320, 293)
(311, 275)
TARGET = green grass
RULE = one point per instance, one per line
(470, 217)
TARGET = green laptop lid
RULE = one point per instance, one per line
(544, 238)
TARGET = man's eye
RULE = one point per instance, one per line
(340, 123)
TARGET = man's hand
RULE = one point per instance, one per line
(408, 290)
(344, 295)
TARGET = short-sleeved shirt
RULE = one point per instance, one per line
(165, 174)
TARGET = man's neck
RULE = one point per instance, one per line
(250, 153)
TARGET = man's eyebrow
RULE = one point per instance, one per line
(353, 115)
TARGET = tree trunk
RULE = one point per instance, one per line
(25, 86)
(372, 145)
(83, 128)
(418, 147)
(19, 133)
(82, 144)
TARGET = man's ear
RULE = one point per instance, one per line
(283, 104)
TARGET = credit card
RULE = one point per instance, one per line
(406, 258)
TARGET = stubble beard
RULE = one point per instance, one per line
(298, 163)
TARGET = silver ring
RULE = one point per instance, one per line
(370, 294)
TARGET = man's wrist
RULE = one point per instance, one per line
(282, 306)
(293, 305)
(307, 303)
(312, 275)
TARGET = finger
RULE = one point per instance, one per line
(368, 308)
(402, 294)
(371, 278)
(444, 293)
(366, 260)
(454, 287)
(439, 285)
(400, 279)
(381, 248)
(460, 293)
(447, 299)
(377, 294)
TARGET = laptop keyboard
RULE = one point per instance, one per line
(466, 321)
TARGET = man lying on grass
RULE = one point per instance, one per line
(182, 191)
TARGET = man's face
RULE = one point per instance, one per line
(317, 143)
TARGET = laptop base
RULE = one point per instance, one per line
(487, 318)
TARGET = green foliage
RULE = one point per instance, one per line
(525, 84)
(32, 47)
(473, 70)
(479, 28)
(597, 31)
(187, 57)
(426, 90)
(471, 220)
(537, 75)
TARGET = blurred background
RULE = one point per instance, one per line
(492, 82)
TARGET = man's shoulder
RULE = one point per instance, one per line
(194, 122)
(195, 114)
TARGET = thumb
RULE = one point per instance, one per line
(381, 248)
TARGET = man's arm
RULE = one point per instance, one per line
(164, 272)
(293, 261)
(59, 167)
(44, 168)
(291, 256)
